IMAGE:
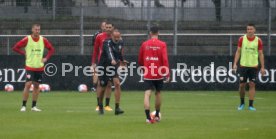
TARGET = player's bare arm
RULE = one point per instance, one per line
(261, 58)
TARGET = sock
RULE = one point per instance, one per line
(107, 101)
(100, 106)
(242, 101)
(98, 101)
(94, 85)
(148, 114)
(33, 104)
(157, 113)
(116, 105)
(251, 103)
(24, 103)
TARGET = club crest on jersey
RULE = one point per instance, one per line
(152, 58)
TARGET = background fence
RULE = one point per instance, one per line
(190, 27)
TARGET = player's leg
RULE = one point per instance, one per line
(252, 93)
(242, 95)
(243, 80)
(36, 81)
(158, 86)
(95, 85)
(98, 94)
(35, 96)
(108, 91)
(25, 95)
(148, 86)
(28, 84)
(117, 95)
(252, 73)
(94, 80)
(117, 90)
(157, 105)
(100, 91)
(147, 104)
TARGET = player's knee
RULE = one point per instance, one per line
(117, 84)
(108, 84)
(28, 84)
(251, 84)
(36, 85)
(242, 85)
(157, 92)
(147, 92)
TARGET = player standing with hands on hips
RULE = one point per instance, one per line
(250, 51)
(34, 63)
(153, 57)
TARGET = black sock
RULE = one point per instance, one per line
(242, 101)
(157, 113)
(107, 101)
(98, 101)
(251, 103)
(94, 85)
(24, 103)
(116, 105)
(33, 104)
(148, 114)
(100, 106)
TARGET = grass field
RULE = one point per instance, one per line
(185, 115)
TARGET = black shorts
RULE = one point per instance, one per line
(35, 76)
(154, 84)
(104, 75)
(247, 73)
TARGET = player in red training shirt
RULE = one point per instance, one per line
(34, 64)
(154, 59)
(98, 48)
(95, 77)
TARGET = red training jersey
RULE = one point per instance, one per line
(154, 59)
(98, 46)
(23, 43)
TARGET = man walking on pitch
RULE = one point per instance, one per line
(34, 64)
(153, 57)
(249, 51)
(95, 77)
(98, 48)
(111, 59)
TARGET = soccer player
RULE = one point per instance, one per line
(34, 45)
(153, 57)
(95, 77)
(250, 50)
(98, 48)
(111, 59)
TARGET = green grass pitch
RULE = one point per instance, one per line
(185, 115)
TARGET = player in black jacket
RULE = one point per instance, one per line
(111, 59)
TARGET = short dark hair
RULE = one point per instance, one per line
(154, 29)
(35, 24)
(107, 22)
(251, 24)
(115, 30)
